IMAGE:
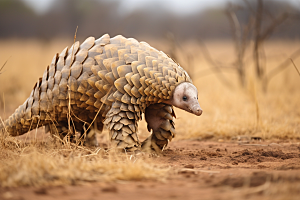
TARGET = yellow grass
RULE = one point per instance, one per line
(228, 112)
(42, 164)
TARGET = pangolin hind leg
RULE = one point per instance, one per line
(160, 120)
(89, 134)
(121, 122)
(77, 132)
(60, 130)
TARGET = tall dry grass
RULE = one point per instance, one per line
(228, 112)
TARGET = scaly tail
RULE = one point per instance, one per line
(26, 117)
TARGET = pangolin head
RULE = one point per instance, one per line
(185, 97)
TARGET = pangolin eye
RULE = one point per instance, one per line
(184, 98)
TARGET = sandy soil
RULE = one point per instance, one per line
(200, 170)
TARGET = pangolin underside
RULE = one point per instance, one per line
(111, 82)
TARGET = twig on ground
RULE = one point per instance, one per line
(93, 154)
(261, 145)
(199, 170)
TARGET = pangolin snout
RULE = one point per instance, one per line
(196, 109)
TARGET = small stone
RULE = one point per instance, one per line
(203, 158)
(41, 191)
(112, 189)
(235, 163)
(190, 166)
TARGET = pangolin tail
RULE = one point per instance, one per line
(24, 119)
(16, 124)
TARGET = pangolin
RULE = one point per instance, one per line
(111, 82)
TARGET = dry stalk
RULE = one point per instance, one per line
(69, 103)
(295, 66)
(188, 57)
(55, 134)
(78, 117)
(257, 110)
(217, 68)
(279, 68)
(3, 105)
(99, 110)
(3, 66)
(241, 39)
(260, 36)
(2, 122)
(257, 38)
(30, 124)
(35, 135)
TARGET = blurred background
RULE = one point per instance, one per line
(186, 19)
(241, 54)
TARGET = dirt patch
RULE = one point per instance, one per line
(200, 170)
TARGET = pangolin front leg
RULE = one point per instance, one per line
(160, 120)
(121, 121)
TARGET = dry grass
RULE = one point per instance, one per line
(227, 113)
(46, 163)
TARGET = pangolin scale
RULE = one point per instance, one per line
(111, 82)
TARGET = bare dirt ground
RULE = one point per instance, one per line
(233, 169)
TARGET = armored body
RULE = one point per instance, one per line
(108, 82)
